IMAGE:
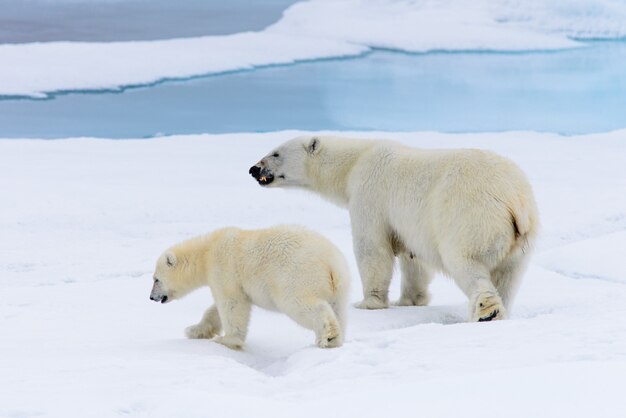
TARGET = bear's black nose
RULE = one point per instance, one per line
(255, 171)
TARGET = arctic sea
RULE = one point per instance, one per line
(570, 91)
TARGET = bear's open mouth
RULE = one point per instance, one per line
(164, 299)
(265, 180)
(261, 175)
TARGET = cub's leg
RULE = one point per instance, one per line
(235, 316)
(474, 279)
(209, 326)
(317, 316)
(415, 281)
(375, 258)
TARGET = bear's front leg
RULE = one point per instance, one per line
(375, 259)
(209, 326)
(235, 315)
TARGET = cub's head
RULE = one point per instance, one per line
(286, 165)
(168, 282)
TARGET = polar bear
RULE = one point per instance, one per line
(467, 213)
(285, 268)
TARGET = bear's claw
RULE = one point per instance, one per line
(490, 317)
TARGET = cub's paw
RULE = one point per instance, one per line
(231, 342)
(372, 303)
(330, 337)
(488, 307)
(329, 341)
(199, 331)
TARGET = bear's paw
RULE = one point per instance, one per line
(488, 307)
(230, 342)
(199, 332)
(372, 302)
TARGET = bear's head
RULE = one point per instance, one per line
(169, 281)
(286, 165)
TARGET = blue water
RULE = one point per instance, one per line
(572, 91)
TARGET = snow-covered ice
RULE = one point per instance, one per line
(37, 68)
(423, 25)
(82, 221)
(312, 30)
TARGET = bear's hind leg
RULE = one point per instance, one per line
(319, 317)
(208, 327)
(235, 316)
(507, 276)
(328, 329)
(485, 303)
(415, 281)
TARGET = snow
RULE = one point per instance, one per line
(583, 260)
(313, 30)
(83, 221)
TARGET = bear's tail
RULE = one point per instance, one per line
(525, 223)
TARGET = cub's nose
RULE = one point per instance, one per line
(255, 171)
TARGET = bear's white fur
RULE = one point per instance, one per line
(285, 268)
(467, 213)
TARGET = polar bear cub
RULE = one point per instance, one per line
(467, 213)
(288, 269)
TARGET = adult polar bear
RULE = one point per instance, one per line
(468, 213)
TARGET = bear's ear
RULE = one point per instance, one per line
(314, 145)
(170, 259)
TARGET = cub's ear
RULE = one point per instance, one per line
(314, 145)
(170, 259)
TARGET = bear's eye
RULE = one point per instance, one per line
(156, 280)
(275, 155)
